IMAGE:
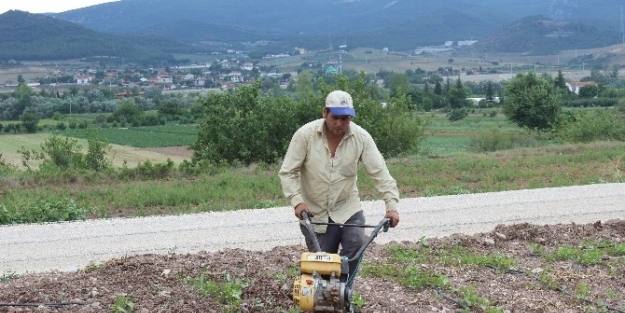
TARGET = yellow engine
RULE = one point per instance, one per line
(321, 286)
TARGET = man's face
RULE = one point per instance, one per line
(336, 124)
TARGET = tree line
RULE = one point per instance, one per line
(252, 123)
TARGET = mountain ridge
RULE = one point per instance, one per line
(159, 28)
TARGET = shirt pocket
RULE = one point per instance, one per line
(349, 170)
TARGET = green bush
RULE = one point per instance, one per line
(591, 102)
(457, 114)
(6, 167)
(247, 127)
(97, 150)
(42, 211)
(66, 154)
(532, 102)
(590, 125)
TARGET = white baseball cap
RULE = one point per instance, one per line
(340, 103)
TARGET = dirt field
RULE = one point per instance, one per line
(10, 145)
(157, 283)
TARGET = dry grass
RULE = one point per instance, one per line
(11, 144)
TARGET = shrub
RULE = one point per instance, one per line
(496, 140)
(148, 170)
(6, 167)
(96, 157)
(532, 102)
(457, 114)
(66, 153)
(41, 211)
(590, 125)
(245, 126)
(592, 102)
(248, 127)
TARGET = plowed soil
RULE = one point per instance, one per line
(536, 282)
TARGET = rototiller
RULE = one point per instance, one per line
(324, 283)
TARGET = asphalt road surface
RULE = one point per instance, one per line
(36, 248)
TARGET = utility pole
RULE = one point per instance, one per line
(622, 26)
(340, 61)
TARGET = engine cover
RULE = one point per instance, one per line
(321, 287)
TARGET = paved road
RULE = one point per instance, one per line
(70, 246)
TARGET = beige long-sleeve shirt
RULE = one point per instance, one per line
(328, 185)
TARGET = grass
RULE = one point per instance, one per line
(145, 136)
(453, 138)
(447, 166)
(123, 304)
(590, 254)
(405, 265)
(259, 186)
(11, 144)
(228, 291)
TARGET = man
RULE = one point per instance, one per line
(319, 176)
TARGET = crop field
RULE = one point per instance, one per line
(145, 136)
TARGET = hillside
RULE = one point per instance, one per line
(539, 35)
(318, 24)
(131, 31)
(25, 36)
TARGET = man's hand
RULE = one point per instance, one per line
(302, 207)
(394, 216)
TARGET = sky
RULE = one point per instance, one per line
(47, 6)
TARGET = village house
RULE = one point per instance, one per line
(83, 79)
(164, 78)
(576, 86)
(236, 77)
(247, 66)
(199, 82)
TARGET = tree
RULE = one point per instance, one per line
(30, 119)
(532, 102)
(245, 126)
(447, 85)
(304, 85)
(457, 95)
(399, 84)
(127, 112)
(248, 126)
(438, 89)
(560, 82)
(23, 94)
(171, 109)
(490, 94)
(588, 91)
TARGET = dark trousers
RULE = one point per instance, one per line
(349, 238)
